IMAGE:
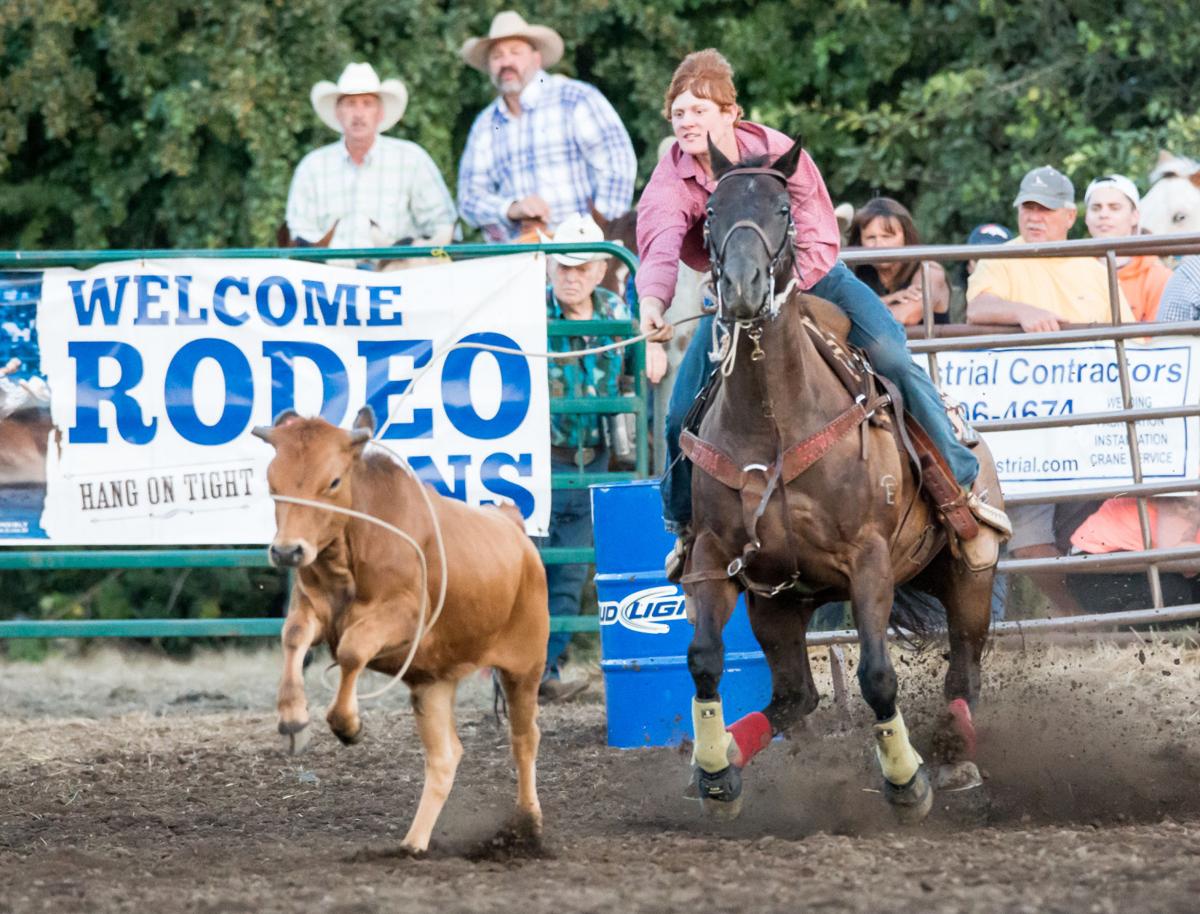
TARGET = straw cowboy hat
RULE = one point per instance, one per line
(360, 79)
(510, 24)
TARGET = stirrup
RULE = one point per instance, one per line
(989, 514)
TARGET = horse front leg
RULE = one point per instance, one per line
(905, 783)
(780, 626)
(717, 781)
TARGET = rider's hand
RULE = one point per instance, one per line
(531, 207)
(1038, 320)
(656, 362)
(652, 320)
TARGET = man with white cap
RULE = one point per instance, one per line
(367, 188)
(577, 440)
(547, 147)
(1110, 208)
(1039, 293)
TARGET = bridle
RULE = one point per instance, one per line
(771, 301)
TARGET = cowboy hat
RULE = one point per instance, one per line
(577, 229)
(360, 79)
(510, 24)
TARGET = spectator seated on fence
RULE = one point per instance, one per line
(1115, 527)
(367, 189)
(1040, 293)
(886, 223)
(1111, 211)
(1181, 297)
(548, 147)
(578, 441)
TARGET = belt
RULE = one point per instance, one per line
(577, 456)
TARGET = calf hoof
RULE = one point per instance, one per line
(957, 776)
(295, 735)
(349, 739)
(912, 801)
(720, 793)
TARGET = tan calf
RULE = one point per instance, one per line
(358, 588)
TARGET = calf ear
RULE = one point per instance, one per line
(358, 440)
(365, 419)
(786, 163)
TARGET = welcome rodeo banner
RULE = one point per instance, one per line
(1073, 379)
(128, 391)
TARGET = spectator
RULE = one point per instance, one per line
(547, 147)
(885, 223)
(1115, 527)
(1039, 293)
(984, 233)
(1181, 297)
(577, 440)
(367, 187)
(1111, 211)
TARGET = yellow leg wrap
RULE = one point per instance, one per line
(711, 749)
(898, 759)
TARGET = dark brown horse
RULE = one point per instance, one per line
(801, 497)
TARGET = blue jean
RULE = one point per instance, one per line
(570, 526)
(874, 330)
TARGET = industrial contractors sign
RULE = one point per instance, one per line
(129, 391)
(1071, 380)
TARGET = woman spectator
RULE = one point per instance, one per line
(885, 223)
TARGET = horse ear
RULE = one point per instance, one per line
(720, 164)
(786, 163)
(365, 420)
(598, 218)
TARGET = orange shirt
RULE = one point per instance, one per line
(1115, 528)
(1143, 280)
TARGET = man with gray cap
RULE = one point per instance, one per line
(1040, 293)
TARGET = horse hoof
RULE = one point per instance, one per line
(722, 810)
(721, 792)
(958, 776)
(911, 803)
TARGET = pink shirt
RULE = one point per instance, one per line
(670, 223)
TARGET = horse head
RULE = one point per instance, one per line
(749, 231)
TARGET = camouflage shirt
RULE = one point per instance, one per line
(591, 376)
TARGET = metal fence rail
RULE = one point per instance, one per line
(50, 557)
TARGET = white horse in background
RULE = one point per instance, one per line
(1172, 204)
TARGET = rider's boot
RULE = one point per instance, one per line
(976, 527)
(677, 557)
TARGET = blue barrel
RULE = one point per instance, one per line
(644, 632)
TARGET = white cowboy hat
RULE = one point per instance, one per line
(510, 24)
(360, 79)
(577, 229)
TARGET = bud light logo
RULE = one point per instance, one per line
(648, 611)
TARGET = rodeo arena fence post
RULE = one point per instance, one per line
(200, 557)
(925, 339)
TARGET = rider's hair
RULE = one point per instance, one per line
(706, 74)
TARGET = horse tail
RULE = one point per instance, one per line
(918, 617)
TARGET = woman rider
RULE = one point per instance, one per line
(701, 104)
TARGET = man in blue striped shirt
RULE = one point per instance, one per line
(548, 146)
(1181, 297)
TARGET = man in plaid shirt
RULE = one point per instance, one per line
(577, 441)
(367, 190)
(547, 148)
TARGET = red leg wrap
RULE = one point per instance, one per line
(752, 734)
(960, 711)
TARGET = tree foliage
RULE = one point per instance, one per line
(139, 123)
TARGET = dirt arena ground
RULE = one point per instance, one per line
(130, 783)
